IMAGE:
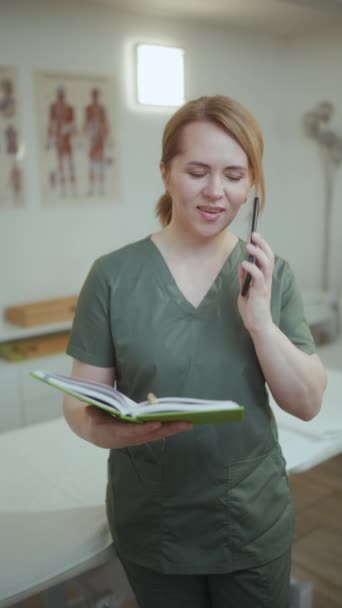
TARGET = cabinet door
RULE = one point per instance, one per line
(42, 408)
(11, 415)
(41, 402)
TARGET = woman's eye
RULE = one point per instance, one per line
(196, 174)
(234, 178)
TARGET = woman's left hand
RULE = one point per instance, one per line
(255, 307)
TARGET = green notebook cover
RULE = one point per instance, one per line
(200, 416)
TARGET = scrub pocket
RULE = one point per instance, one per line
(133, 499)
(261, 520)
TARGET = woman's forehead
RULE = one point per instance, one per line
(206, 140)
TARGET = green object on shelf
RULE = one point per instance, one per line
(34, 346)
(10, 352)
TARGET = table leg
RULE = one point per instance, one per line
(301, 594)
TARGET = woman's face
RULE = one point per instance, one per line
(208, 180)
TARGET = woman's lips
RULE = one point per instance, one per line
(210, 214)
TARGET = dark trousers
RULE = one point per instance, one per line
(266, 586)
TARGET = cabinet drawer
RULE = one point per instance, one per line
(31, 388)
(10, 407)
(39, 401)
(44, 407)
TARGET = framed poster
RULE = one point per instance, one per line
(77, 138)
(11, 146)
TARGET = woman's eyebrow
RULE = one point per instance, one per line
(197, 164)
(206, 166)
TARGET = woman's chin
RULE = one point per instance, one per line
(208, 231)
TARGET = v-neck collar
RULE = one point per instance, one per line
(165, 277)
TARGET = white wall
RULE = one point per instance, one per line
(313, 75)
(47, 252)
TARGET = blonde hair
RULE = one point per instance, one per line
(227, 113)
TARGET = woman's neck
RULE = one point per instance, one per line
(180, 243)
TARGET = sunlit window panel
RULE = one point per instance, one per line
(160, 75)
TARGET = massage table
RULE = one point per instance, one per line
(52, 515)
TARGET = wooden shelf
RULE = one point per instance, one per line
(14, 332)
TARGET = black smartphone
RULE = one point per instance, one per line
(251, 258)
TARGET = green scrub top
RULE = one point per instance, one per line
(213, 499)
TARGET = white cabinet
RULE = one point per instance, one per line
(24, 400)
(38, 401)
(11, 412)
(322, 312)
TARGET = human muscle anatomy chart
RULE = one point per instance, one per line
(11, 147)
(76, 118)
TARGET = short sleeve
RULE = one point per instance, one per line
(91, 338)
(292, 318)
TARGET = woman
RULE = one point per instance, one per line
(201, 518)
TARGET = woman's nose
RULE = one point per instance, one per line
(214, 187)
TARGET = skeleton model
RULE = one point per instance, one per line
(317, 126)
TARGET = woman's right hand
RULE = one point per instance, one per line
(105, 431)
(102, 429)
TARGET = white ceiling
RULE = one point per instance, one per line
(281, 18)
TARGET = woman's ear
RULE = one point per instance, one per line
(163, 173)
(251, 193)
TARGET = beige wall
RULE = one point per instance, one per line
(47, 252)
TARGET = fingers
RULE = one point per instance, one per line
(109, 432)
(241, 275)
(258, 279)
(166, 430)
(258, 240)
(128, 434)
(262, 270)
(263, 255)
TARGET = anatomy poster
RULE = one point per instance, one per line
(77, 136)
(11, 146)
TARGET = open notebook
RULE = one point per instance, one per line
(164, 409)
